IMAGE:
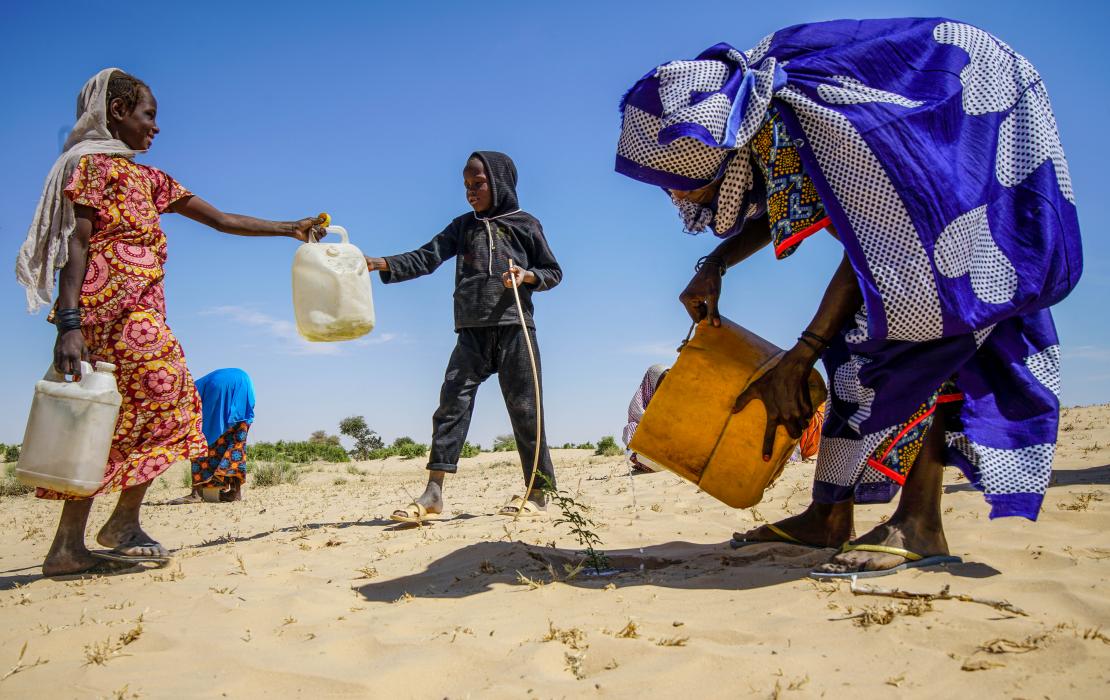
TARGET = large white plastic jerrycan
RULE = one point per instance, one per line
(69, 432)
(331, 290)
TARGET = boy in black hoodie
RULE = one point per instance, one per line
(490, 339)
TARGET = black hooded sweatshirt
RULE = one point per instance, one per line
(482, 244)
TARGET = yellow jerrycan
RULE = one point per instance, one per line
(689, 428)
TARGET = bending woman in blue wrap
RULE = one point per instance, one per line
(227, 403)
(929, 149)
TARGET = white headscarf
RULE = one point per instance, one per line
(47, 246)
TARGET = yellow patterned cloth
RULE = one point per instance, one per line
(124, 320)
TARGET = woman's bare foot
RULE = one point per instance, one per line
(234, 493)
(916, 524)
(820, 525)
(63, 562)
(130, 540)
(123, 534)
(914, 535)
(193, 497)
(68, 554)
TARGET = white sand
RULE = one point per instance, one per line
(308, 591)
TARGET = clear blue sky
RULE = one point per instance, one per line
(368, 110)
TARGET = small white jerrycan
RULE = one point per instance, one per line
(69, 431)
(331, 290)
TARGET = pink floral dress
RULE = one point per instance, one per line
(124, 320)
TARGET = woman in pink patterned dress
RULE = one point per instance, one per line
(111, 305)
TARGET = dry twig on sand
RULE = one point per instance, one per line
(943, 594)
(20, 666)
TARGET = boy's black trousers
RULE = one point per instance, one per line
(479, 353)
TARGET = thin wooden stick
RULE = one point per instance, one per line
(944, 594)
(539, 397)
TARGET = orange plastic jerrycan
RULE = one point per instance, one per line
(689, 428)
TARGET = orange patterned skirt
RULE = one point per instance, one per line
(160, 418)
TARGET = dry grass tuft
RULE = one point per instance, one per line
(1081, 501)
(573, 637)
(525, 581)
(1002, 645)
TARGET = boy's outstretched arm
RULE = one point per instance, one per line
(422, 261)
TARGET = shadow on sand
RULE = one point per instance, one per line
(1060, 477)
(475, 568)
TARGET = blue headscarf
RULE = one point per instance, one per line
(227, 398)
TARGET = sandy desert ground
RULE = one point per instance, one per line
(307, 590)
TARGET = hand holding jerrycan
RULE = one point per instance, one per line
(69, 431)
(331, 289)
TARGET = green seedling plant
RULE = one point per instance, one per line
(573, 513)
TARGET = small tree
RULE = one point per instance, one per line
(11, 453)
(321, 437)
(469, 450)
(366, 440)
(608, 447)
(504, 443)
(402, 441)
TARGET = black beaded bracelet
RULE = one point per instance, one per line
(67, 320)
(810, 344)
(813, 336)
(702, 261)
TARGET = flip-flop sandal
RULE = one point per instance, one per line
(97, 570)
(784, 538)
(521, 507)
(120, 556)
(414, 514)
(913, 561)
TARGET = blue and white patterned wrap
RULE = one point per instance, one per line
(936, 153)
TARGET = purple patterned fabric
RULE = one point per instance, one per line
(935, 151)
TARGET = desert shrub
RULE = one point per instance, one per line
(469, 450)
(322, 437)
(504, 443)
(585, 446)
(11, 453)
(567, 446)
(366, 440)
(187, 475)
(608, 447)
(274, 473)
(299, 452)
(411, 450)
(10, 485)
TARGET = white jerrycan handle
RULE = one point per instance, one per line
(342, 232)
(53, 375)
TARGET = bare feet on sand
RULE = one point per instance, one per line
(820, 525)
(914, 535)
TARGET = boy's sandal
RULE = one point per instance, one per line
(413, 513)
(521, 507)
